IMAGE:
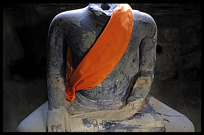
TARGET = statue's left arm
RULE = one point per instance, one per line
(147, 57)
(57, 117)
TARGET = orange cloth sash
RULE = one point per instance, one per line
(103, 56)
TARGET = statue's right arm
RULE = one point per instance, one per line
(56, 57)
(147, 58)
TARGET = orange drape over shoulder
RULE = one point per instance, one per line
(104, 55)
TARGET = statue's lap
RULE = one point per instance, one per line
(155, 117)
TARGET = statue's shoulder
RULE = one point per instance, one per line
(146, 20)
(70, 16)
(142, 16)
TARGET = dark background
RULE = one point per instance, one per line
(177, 81)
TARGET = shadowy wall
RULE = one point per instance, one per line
(177, 81)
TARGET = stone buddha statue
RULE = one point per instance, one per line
(121, 101)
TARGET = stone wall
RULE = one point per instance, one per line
(178, 65)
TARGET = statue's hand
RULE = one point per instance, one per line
(57, 120)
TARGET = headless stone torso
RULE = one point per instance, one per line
(114, 88)
(83, 27)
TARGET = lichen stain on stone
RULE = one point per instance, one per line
(88, 38)
(143, 82)
(57, 82)
(86, 122)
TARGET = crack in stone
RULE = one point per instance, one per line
(170, 115)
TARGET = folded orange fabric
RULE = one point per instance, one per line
(103, 56)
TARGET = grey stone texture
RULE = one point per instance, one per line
(177, 70)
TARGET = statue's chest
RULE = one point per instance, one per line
(81, 39)
(115, 85)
